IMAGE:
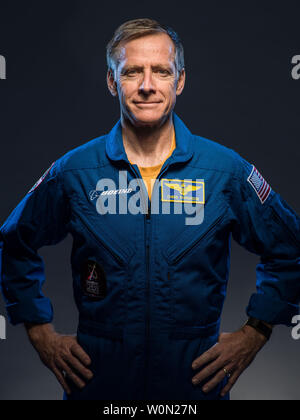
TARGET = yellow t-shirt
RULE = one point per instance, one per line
(150, 173)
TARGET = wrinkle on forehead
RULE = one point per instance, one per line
(144, 50)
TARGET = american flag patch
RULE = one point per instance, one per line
(260, 185)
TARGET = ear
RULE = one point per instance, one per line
(111, 83)
(180, 82)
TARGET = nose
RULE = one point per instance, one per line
(147, 84)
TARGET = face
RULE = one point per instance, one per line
(146, 81)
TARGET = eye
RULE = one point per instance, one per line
(131, 73)
(163, 72)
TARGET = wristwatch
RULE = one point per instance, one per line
(260, 327)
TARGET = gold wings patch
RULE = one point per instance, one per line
(182, 189)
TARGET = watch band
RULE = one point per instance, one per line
(260, 327)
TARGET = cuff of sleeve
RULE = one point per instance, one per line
(270, 310)
(35, 311)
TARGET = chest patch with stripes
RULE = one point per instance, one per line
(259, 184)
(93, 280)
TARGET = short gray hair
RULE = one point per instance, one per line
(138, 28)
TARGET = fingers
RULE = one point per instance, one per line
(63, 366)
(65, 358)
(234, 351)
(73, 362)
(231, 381)
(208, 371)
(220, 375)
(61, 379)
(78, 351)
(206, 357)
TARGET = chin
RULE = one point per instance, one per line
(147, 118)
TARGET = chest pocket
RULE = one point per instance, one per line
(191, 236)
(103, 233)
(196, 272)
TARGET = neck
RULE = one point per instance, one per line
(148, 145)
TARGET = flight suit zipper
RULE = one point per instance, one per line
(147, 317)
(147, 250)
(147, 286)
(147, 329)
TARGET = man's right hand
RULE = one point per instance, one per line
(61, 354)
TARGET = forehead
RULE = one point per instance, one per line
(154, 48)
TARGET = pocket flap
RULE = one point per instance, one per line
(214, 213)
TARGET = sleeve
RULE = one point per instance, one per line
(41, 218)
(266, 225)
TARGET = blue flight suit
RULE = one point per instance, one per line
(150, 286)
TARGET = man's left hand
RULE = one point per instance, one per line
(229, 357)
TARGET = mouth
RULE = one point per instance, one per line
(143, 103)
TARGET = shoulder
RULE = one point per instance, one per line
(215, 156)
(91, 154)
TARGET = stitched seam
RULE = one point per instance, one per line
(88, 167)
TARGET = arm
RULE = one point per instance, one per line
(41, 218)
(266, 225)
(270, 229)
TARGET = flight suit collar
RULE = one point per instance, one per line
(184, 143)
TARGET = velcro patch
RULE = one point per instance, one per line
(259, 184)
(182, 191)
(93, 280)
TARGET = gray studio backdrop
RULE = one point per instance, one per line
(239, 92)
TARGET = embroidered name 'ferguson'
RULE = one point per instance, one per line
(260, 185)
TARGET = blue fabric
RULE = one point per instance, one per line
(166, 279)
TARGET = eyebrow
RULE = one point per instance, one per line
(127, 68)
(140, 68)
(162, 67)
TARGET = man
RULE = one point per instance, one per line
(150, 280)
